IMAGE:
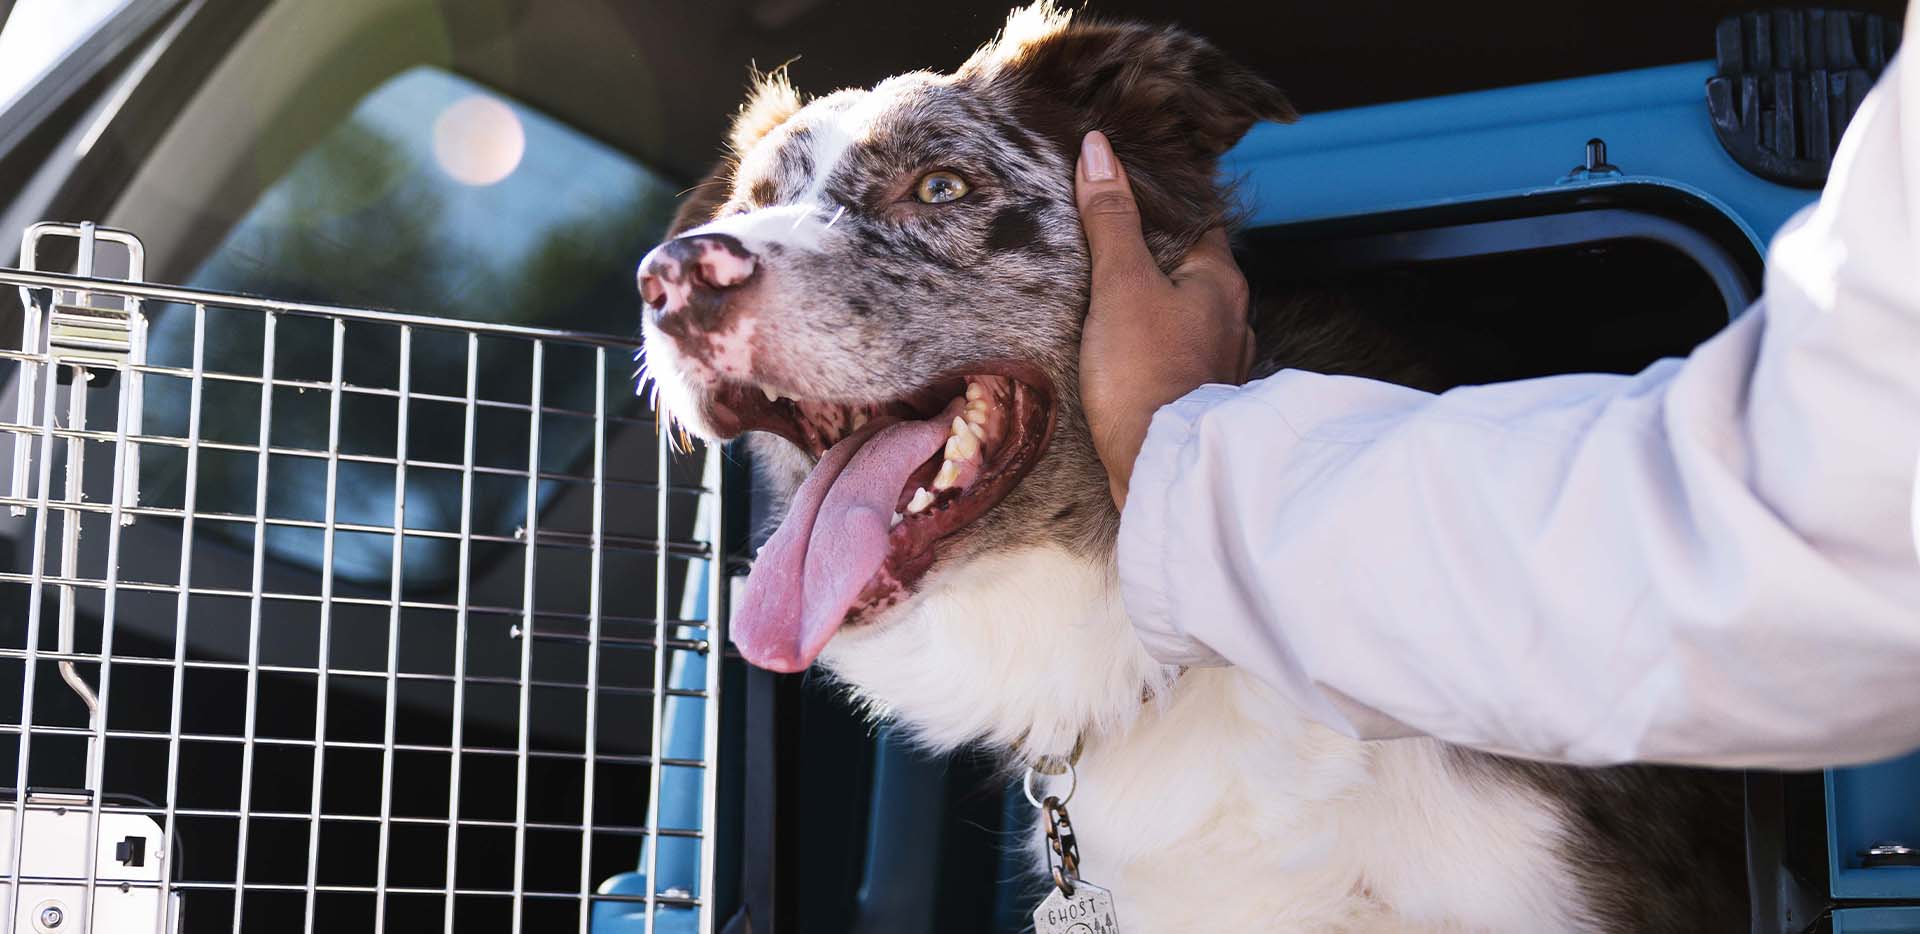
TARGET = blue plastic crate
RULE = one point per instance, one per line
(680, 795)
(1497, 144)
(1877, 921)
(1865, 806)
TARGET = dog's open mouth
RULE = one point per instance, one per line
(892, 481)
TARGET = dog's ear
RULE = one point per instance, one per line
(771, 99)
(1170, 102)
(1160, 89)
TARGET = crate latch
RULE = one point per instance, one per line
(84, 335)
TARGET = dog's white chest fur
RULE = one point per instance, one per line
(1211, 807)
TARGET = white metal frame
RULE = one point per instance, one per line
(38, 360)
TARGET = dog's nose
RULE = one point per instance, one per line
(684, 270)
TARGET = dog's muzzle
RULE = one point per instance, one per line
(692, 278)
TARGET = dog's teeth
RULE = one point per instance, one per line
(859, 420)
(975, 392)
(897, 519)
(962, 446)
(771, 395)
(977, 417)
(920, 501)
(948, 476)
(964, 439)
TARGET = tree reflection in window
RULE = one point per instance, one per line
(370, 216)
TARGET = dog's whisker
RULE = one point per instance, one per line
(836, 216)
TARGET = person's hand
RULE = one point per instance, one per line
(1149, 338)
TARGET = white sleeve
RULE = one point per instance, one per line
(1712, 561)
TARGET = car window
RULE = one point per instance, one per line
(434, 196)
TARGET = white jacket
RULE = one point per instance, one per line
(1713, 561)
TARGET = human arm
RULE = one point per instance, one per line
(1711, 561)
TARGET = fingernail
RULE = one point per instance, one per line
(1096, 158)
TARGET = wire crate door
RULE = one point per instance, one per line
(337, 619)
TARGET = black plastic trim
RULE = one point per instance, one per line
(1675, 219)
(1520, 235)
(1789, 81)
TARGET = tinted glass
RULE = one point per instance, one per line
(435, 196)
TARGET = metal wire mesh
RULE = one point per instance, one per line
(335, 619)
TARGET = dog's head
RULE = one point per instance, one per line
(887, 285)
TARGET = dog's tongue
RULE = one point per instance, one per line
(833, 541)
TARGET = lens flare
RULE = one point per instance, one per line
(478, 140)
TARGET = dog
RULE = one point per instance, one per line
(882, 290)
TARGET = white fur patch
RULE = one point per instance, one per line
(1211, 807)
(1035, 641)
(794, 226)
(672, 375)
(834, 136)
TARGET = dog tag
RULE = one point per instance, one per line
(1088, 911)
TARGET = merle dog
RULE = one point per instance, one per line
(882, 289)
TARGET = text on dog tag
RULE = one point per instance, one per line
(1089, 910)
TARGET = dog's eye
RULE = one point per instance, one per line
(940, 187)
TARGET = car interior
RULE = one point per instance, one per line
(251, 145)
